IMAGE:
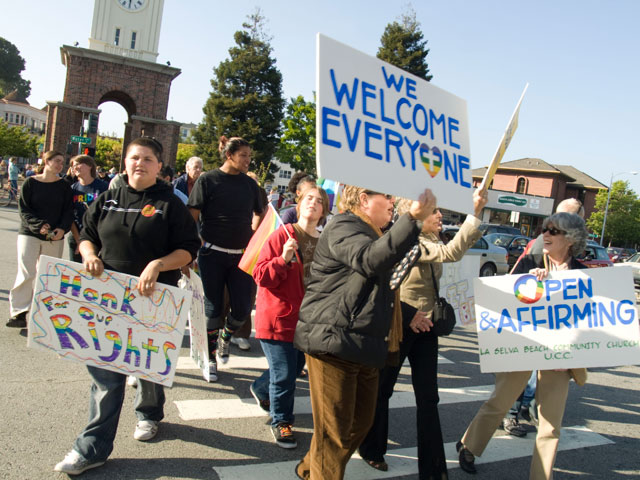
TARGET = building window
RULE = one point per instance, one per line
(6, 117)
(11, 118)
(116, 40)
(133, 40)
(522, 185)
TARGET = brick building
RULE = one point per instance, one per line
(525, 191)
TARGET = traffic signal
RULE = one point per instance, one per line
(91, 151)
(93, 123)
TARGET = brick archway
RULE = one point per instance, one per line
(93, 78)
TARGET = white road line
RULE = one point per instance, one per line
(246, 407)
(240, 362)
(403, 461)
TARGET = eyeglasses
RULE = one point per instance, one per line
(385, 195)
(554, 231)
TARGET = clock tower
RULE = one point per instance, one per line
(119, 66)
(129, 28)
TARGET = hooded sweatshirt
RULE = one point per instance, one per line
(131, 228)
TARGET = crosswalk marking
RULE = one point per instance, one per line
(241, 362)
(247, 407)
(403, 461)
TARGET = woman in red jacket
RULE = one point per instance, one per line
(280, 271)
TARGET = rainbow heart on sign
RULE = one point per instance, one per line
(431, 163)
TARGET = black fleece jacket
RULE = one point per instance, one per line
(132, 228)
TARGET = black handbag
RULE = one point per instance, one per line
(443, 316)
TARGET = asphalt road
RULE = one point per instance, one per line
(43, 405)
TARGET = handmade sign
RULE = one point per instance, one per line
(456, 285)
(381, 128)
(572, 319)
(105, 323)
(197, 323)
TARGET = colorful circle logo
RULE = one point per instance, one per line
(148, 211)
(520, 285)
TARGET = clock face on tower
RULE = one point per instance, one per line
(132, 5)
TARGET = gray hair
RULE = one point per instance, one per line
(193, 160)
(571, 205)
(574, 226)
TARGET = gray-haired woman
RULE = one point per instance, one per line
(565, 237)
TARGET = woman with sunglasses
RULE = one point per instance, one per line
(350, 321)
(564, 237)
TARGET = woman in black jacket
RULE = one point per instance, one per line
(350, 322)
(141, 229)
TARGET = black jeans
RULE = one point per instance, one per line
(217, 270)
(422, 351)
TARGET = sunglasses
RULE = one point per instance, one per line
(387, 196)
(554, 231)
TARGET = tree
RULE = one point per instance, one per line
(185, 152)
(623, 215)
(11, 66)
(16, 141)
(402, 45)
(298, 141)
(108, 152)
(246, 99)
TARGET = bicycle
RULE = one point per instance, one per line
(8, 194)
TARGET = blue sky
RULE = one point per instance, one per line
(580, 58)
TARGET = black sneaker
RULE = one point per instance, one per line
(512, 427)
(466, 459)
(263, 404)
(283, 435)
(18, 321)
(524, 413)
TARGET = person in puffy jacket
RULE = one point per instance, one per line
(279, 272)
(350, 321)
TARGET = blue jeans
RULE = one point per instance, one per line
(526, 397)
(278, 383)
(95, 442)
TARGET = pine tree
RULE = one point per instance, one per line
(11, 66)
(402, 45)
(246, 100)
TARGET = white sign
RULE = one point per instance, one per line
(504, 143)
(572, 319)
(197, 323)
(104, 322)
(381, 128)
(456, 285)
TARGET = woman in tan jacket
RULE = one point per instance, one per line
(420, 345)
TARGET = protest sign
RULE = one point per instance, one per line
(197, 323)
(456, 285)
(384, 129)
(105, 323)
(572, 319)
(504, 143)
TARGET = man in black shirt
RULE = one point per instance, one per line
(224, 202)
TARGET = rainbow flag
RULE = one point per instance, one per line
(269, 224)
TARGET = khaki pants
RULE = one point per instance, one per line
(551, 397)
(29, 251)
(343, 401)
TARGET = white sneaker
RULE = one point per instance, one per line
(242, 343)
(75, 464)
(213, 371)
(223, 350)
(132, 381)
(145, 430)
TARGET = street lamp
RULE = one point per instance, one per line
(606, 208)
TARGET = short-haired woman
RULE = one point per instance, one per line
(45, 216)
(141, 229)
(85, 190)
(350, 321)
(565, 237)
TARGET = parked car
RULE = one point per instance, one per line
(634, 262)
(514, 244)
(493, 259)
(486, 228)
(595, 256)
(617, 254)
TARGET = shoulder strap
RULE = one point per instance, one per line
(435, 284)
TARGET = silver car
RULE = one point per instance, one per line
(493, 259)
(633, 262)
